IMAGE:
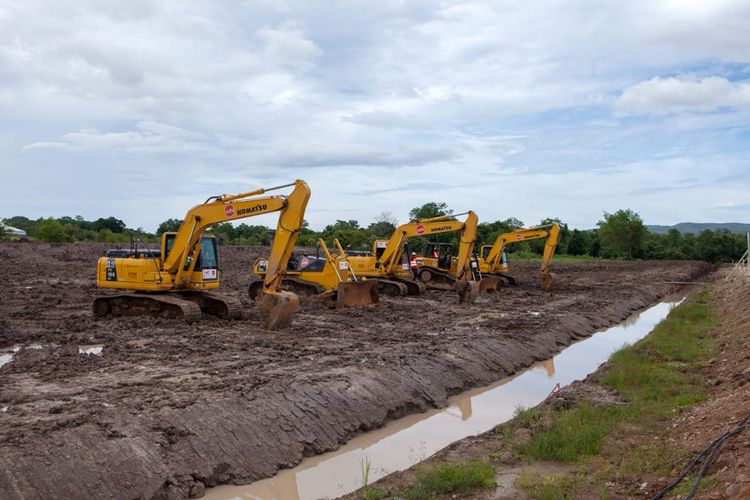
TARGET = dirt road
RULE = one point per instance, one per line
(167, 409)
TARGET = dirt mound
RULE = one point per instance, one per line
(167, 409)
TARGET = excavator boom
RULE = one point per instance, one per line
(491, 260)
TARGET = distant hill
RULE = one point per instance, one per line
(697, 227)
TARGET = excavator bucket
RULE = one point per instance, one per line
(277, 309)
(357, 293)
(468, 291)
(490, 284)
(548, 281)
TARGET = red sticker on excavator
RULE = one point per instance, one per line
(229, 210)
(420, 229)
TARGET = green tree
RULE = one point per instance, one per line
(621, 234)
(168, 225)
(348, 233)
(430, 210)
(114, 225)
(307, 237)
(384, 225)
(577, 243)
(52, 231)
(537, 246)
(487, 232)
(3, 233)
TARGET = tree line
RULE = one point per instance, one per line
(621, 234)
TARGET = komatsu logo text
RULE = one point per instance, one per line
(441, 228)
(252, 210)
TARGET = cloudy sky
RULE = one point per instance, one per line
(140, 109)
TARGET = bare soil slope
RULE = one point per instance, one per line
(168, 409)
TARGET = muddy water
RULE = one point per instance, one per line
(95, 349)
(407, 441)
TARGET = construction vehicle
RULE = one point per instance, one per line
(493, 260)
(176, 281)
(329, 278)
(387, 264)
(438, 267)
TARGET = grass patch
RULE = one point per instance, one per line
(707, 483)
(372, 494)
(657, 376)
(550, 487)
(451, 478)
(574, 433)
(524, 255)
(526, 417)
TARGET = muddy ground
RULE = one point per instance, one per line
(168, 409)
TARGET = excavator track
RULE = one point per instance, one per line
(412, 287)
(435, 279)
(508, 278)
(217, 305)
(392, 287)
(138, 304)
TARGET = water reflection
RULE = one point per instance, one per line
(407, 441)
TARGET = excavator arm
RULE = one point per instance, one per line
(391, 257)
(277, 308)
(466, 247)
(551, 232)
(223, 208)
(547, 278)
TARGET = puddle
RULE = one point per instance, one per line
(407, 441)
(5, 359)
(7, 355)
(95, 349)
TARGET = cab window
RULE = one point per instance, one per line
(208, 258)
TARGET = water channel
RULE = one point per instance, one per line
(407, 441)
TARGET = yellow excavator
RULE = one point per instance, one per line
(388, 263)
(330, 278)
(493, 260)
(176, 280)
(440, 266)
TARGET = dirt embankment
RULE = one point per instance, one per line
(168, 409)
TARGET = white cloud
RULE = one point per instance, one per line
(513, 105)
(660, 96)
(288, 45)
(147, 138)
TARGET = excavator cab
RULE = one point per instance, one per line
(445, 254)
(208, 255)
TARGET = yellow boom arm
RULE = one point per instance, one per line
(391, 256)
(226, 208)
(495, 255)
